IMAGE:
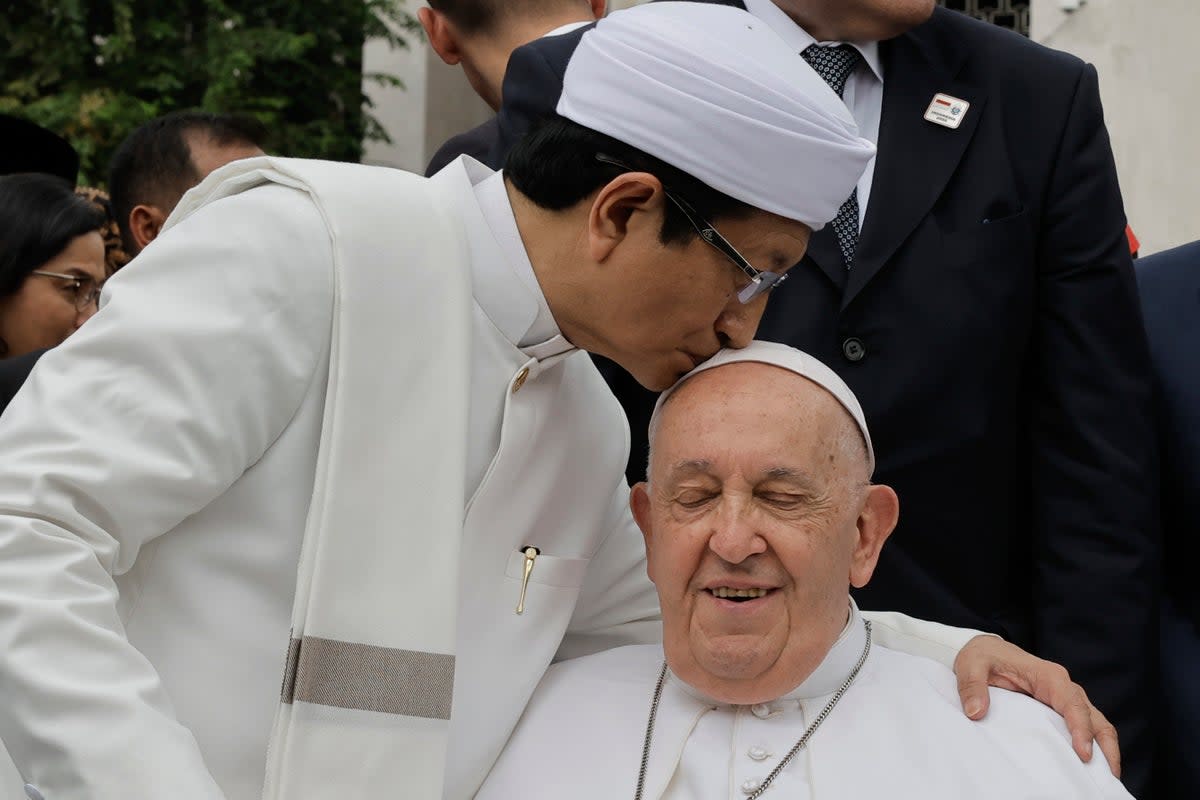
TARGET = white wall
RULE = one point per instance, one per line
(402, 111)
(436, 103)
(1144, 51)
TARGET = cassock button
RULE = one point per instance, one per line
(853, 349)
(520, 380)
(761, 710)
(750, 786)
(758, 753)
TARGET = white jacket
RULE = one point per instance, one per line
(156, 477)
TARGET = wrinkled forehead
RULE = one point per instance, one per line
(760, 423)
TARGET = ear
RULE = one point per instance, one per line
(629, 205)
(441, 34)
(639, 504)
(598, 8)
(876, 521)
(145, 222)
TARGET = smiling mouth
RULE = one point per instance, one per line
(737, 595)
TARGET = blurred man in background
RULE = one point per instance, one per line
(480, 35)
(163, 158)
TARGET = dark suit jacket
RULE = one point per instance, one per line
(13, 372)
(477, 143)
(529, 92)
(1170, 288)
(990, 327)
(1005, 371)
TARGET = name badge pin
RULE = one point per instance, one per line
(947, 111)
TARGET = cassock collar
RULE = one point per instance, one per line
(798, 39)
(506, 287)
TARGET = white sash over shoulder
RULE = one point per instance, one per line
(368, 683)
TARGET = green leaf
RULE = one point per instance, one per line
(93, 70)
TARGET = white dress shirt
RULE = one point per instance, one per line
(863, 94)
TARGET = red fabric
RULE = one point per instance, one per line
(1134, 244)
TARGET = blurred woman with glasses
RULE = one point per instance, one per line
(52, 262)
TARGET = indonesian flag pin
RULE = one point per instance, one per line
(947, 111)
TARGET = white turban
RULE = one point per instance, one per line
(713, 91)
(793, 360)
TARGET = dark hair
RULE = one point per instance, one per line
(154, 163)
(40, 215)
(555, 166)
(484, 16)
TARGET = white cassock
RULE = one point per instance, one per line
(158, 469)
(10, 780)
(898, 732)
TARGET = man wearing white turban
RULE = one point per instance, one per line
(328, 482)
(758, 515)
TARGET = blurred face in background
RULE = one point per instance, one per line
(47, 309)
(857, 20)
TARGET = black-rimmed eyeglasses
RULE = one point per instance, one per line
(761, 281)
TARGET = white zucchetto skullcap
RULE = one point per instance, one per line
(793, 360)
(713, 91)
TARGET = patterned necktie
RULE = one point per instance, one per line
(834, 65)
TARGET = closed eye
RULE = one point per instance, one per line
(783, 500)
(694, 499)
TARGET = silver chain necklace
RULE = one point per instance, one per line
(803, 740)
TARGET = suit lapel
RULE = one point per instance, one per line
(916, 158)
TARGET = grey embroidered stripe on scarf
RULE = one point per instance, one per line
(368, 678)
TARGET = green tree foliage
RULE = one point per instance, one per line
(92, 70)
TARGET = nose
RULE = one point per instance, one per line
(739, 322)
(735, 538)
(85, 314)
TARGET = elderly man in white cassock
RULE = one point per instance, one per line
(328, 482)
(758, 516)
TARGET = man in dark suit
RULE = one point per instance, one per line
(479, 36)
(987, 317)
(1170, 289)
